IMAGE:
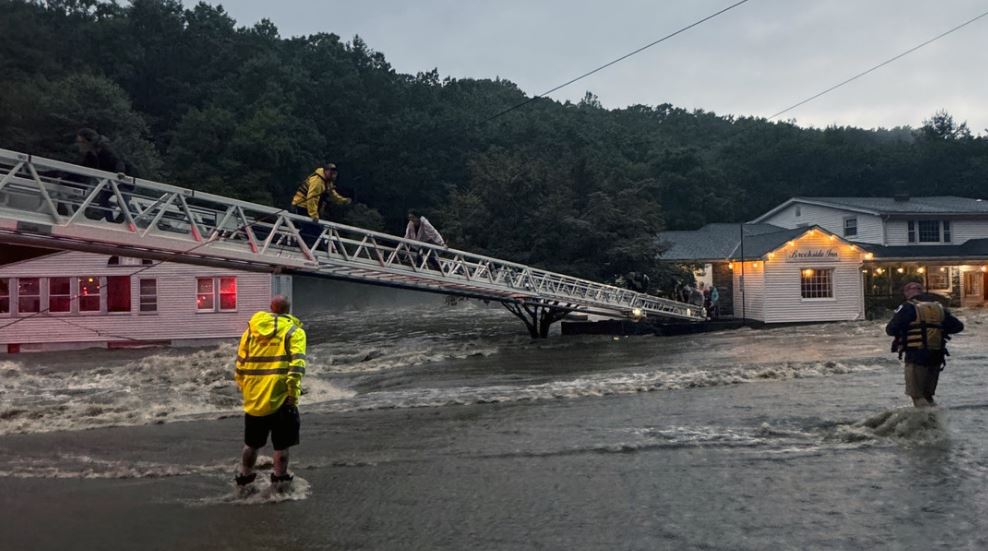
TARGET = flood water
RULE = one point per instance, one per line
(448, 428)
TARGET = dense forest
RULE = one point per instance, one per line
(191, 98)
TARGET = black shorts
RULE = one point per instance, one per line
(283, 425)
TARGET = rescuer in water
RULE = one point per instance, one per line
(921, 327)
(270, 366)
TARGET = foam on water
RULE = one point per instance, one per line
(599, 385)
(161, 387)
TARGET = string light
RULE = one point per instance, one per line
(808, 272)
(943, 269)
(869, 256)
(792, 243)
(901, 270)
(771, 256)
(921, 270)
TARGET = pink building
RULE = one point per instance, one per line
(79, 300)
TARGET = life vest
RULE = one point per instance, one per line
(926, 330)
(302, 191)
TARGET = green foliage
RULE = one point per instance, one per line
(189, 97)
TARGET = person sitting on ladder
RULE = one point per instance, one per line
(420, 229)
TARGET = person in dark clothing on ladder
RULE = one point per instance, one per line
(97, 153)
(921, 327)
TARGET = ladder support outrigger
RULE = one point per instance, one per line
(539, 317)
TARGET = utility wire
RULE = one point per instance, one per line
(608, 64)
(880, 65)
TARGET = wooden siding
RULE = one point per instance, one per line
(830, 219)
(960, 231)
(754, 291)
(783, 296)
(176, 318)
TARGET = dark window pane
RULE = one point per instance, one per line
(89, 294)
(4, 305)
(118, 294)
(59, 286)
(28, 305)
(29, 286)
(929, 231)
(58, 304)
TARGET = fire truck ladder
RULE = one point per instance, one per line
(57, 205)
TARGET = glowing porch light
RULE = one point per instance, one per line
(921, 270)
(869, 256)
(943, 269)
(900, 270)
(879, 271)
(984, 268)
(730, 266)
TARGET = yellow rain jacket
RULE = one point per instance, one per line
(311, 190)
(270, 362)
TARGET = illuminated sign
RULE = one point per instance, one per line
(812, 255)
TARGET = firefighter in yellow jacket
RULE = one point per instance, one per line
(310, 194)
(270, 366)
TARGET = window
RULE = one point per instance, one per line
(799, 211)
(216, 294)
(4, 296)
(228, 293)
(929, 231)
(851, 226)
(89, 291)
(938, 280)
(149, 295)
(946, 231)
(59, 295)
(28, 295)
(204, 294)
(118, 294)
(912, 231)
(817, 283)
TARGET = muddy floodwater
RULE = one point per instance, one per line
(448, 428)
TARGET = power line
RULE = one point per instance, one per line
(880, 65)
(608, 64)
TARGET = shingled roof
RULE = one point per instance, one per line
(892, 206)
(719, 242)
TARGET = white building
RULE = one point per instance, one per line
(775, 275)
(942, 241)
(73, 300)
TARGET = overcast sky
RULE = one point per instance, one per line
(755, 60)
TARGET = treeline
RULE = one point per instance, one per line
(191, 98)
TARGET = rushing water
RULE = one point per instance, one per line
(447, 427)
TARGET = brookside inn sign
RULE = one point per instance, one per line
(812, 255)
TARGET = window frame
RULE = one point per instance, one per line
(51, 294)
(217, 295)
(816, 273)
(211, 294)
(21, 295)
(8, 296)
(105, 295)
(936, 230)
(853, 233)
(911, 231)
(141, 296)
(99, 296)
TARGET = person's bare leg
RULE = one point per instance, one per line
(247, 460)
(281, 462)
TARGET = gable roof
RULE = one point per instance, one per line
(711, 242)
(889, 206)
(720, 242)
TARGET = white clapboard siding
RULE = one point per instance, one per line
(176, 318)
(783, 295)
(960, 231)
(754, 291)
(830, 219)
